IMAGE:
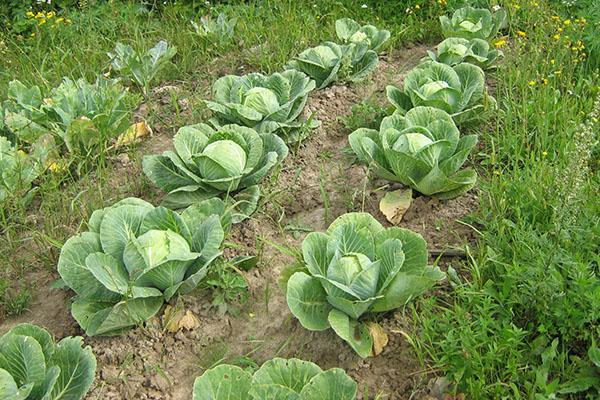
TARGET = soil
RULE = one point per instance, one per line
(316, 183)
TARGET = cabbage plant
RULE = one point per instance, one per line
(82, 117)
(209, 162)
(218, 30)
(134, 258)
(458, 90)
(350, 61)
(350, 31)
(453, 51)
(331, 62)
(276, 379)
(141, 68)
(267, 103)
(18, 169)
(422, 149)
(355, 268)
(34, 367)
(473, 23)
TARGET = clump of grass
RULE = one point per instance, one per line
(573, 178)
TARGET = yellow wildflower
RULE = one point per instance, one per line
(516, 6)
(559, 29)
(30, 14)
(40, 14)
(582, 21)
(558, 72)
(555, 18)
(521, 33)
(532, 83)
(544, 153)
(567, 22)
(32, 34)
(545, 81)
(42, 22)
(556, 37)
(496, 172)
(499, 43)
(552, 62)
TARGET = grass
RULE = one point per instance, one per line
(527, 308)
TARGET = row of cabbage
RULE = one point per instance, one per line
(135, 256)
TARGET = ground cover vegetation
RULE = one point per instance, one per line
(393, 172)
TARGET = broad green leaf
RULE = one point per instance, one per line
(279, 379)
(224, 382)
(77, 369)
(23, 358)
(333, 384)
(352, 331)
(9, 389)
(307, 300)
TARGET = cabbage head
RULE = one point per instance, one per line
(134, 258)
(453, 51)
(276, 379)
(473, 23)
(458, 90)
(422, 149)
(355, 268)
(266, 103)
(34, 367)
(208, 163)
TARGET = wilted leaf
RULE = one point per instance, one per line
(133, 133)
(175, 319)
(394, 204)
(189, 321)
(380, 338)
(171, 318)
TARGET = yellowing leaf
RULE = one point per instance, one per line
(133, 133)
(189, 321)
(395, 204)
(380, 338)
(171, 318)
(175, 319)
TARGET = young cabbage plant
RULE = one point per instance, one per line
(18, 169)
(218, 30)
(474, 23)
(355, 268)
(134, 258)
(81, 117)
(459, 90)
(208, 163)
(350, 31)
(277, 378)
(34, 367)
(422, 149)
(268, 104)
(331, 62)
(142, 69)
(453, 51)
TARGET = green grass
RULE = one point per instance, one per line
(535, 276)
